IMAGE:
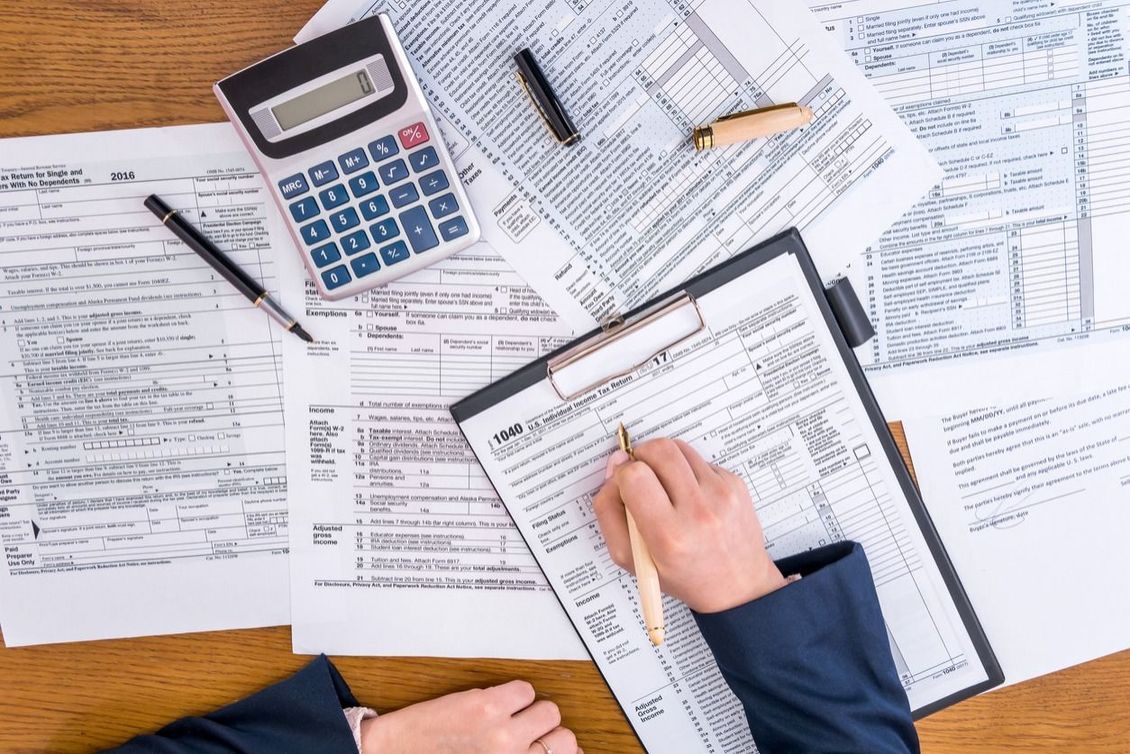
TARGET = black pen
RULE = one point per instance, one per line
(550, 109)
(243, 282)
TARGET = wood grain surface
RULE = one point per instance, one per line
(101, 64)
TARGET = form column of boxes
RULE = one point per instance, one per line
(149, 449)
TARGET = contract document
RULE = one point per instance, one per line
(632, 209)
(758, 384)
(1033, 503)
(399, 545)
(142, 478)
(1026, 107)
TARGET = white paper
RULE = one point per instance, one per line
(1033, 503)
(1021, 246)
(142, 480)
(399, 544)
(765, 394)
(632, 209)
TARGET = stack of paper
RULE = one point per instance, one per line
(143, 487)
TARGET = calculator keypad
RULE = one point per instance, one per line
(322, 174)
(403, 195)
(365, 264)
(399, 207)
(433, 183)
(353, 161)
(383, 148)
(327, 254)
(425, 159)
(364, 184)
(334, 196)
(394, 171)
(418, 228)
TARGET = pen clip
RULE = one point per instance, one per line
(537, 108)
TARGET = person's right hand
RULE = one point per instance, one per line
(696, 518)
(498, 720)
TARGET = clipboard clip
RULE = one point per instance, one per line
(638, 340)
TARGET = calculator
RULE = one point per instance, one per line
(349, 149)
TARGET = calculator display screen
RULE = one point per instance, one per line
(322, 100)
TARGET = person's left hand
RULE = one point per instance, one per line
(502, 719)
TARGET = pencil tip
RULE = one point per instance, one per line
(297, 330)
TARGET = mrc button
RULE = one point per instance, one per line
(293, 186)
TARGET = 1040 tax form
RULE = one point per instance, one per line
(763, 389)
(142, 473)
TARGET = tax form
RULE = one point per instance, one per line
(632, 209)
(1026, 107)
(399, 545)
(1033, 502)
(764, 392)
(142, 479)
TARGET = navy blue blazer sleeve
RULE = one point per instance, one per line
(300, 714)
(811, 662)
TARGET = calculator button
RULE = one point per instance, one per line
(336, 277)
(355, 242)
(404, 195)
(412, 135)
(374, 208)
(304, 209)
(433, 183)
(443, 206)
(293, 186)
(393, 171)
(314, 232)
(366, 183)
(384, 230)
(324, 173)
(453, 228)
(418, 228)
(353, 160)
(425, 159)
(344, 220)
(393, 253)
(327, 254)
(333, 196)
(383, 148)
(365, 264)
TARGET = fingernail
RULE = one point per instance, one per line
(616, 459)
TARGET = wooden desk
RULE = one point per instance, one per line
(102, 64)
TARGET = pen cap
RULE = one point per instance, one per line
(157, 206)
(550, 109)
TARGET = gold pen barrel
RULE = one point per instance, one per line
(754, 124)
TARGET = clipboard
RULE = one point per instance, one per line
(598, 359)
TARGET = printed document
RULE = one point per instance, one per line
(400, 545)
(632, 209)
(1033, 503)
(1026, 107)
(763, 392)
(142, 479)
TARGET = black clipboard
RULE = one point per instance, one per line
(849, 326)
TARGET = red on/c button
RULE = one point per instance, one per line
(412, 135)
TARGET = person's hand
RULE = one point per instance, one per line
(697, 519)
(498, 720)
